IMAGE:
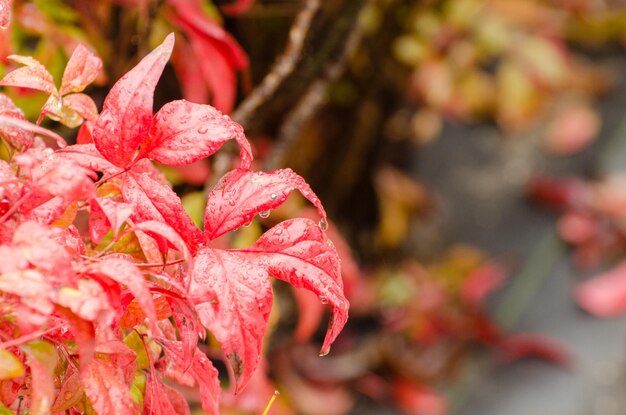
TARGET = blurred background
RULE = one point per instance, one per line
(471, 154)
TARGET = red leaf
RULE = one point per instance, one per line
(17, 137)
(165, 231)
(184, 316)
(154, 201)
(190, 73)
(37, 243)
(12, 122)
(194, 18)
(163, 400)
(233, 295)
(558, 193)
(202, 371)
(83, 333)
(481, 282)
(32, 289)
(243, 193)
(233, 298)
(183, 132)
(237, 7)
(126, 273)
(206, 375)
(219, 75)
(33, 75)
(605, 294)
(88, 301)
(89, 157)
(297, 252)
(105, 214)
(127, 111)
(520, 346)
(415, 399)
(105, 386)
(65, 178)
(81, 70)
(83, 105)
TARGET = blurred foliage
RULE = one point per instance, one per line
(510, 61)
(517, 63)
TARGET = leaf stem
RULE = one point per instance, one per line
(28, 337)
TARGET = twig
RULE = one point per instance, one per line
(313, 99)
(283, 67)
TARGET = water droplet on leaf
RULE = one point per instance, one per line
(323, 224)
(264, 214)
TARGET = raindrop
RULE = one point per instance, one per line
(323, 299)
(264, 214)
(202, 130)
(273, 196)
(323, 224)
(245, 225)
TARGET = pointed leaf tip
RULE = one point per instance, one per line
(126, 115)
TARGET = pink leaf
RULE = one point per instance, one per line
(154, 201)
(183, 132)
(233, 295)
(105, 214)
(243, 193)
(605, 294)
(127, 111)
(65, 178)
(184, 316)
(126, 273)
(12, 122)
(83, 105)
(206, 376)
(17, 137)
(219, 76)
(193, 18)
(190, 74)
(202, 371)
(106, 388)
(38, 244)
(162, 400)
(88, 156)
(233, 298)
(81, 70)
(33, 75)
(297, 252)
(88, 301)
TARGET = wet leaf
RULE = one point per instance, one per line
(127, 111)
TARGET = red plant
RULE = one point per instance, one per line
(106, 285)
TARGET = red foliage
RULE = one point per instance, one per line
(107, 313)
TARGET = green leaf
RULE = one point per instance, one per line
(10, 366)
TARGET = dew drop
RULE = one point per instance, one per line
(323, 299)
(245, 225)
(264, 214)
(273, 196)
(202, 130)
(323, 224)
